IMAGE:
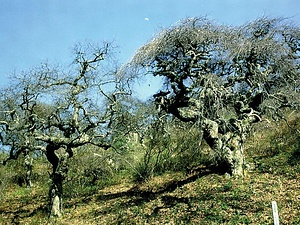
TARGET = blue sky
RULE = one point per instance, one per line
(35, 31)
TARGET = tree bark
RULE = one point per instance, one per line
(228, 148)
(58, 157)
(55, 196)
(232, 151)
(28, 167)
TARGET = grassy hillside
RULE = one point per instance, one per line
(203, 196)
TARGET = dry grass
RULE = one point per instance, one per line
(200, 198)
(203, 197)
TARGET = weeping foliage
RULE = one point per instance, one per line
(224, 78)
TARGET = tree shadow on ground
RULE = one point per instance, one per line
(138, 196)
(132, 197)
(16, 213)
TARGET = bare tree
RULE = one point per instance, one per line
(57, 112)
(224, 78)
(14, 129)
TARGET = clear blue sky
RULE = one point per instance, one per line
(35, 31)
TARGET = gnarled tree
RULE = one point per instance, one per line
(224, 78)
(56, 112)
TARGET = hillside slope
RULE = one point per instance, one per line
(203, 196)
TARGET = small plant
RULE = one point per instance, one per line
(295, 156)
(142, 172)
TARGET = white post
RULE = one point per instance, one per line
(275, 213)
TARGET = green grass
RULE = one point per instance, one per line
(200, 197)
(208, 199)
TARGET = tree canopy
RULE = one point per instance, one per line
(56, 112)
(225, 78)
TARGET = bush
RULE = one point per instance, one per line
(5, 179)
(91, 169)
(142, 172)
(171, 146)
(295, 156)
(274, 147)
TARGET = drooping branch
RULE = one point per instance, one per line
(224, 79)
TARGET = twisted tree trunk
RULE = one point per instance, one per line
(58, 157)
(55, 195)
(232, 151)
(28, 167)
(228, 148)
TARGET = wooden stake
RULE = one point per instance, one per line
(275, 213)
